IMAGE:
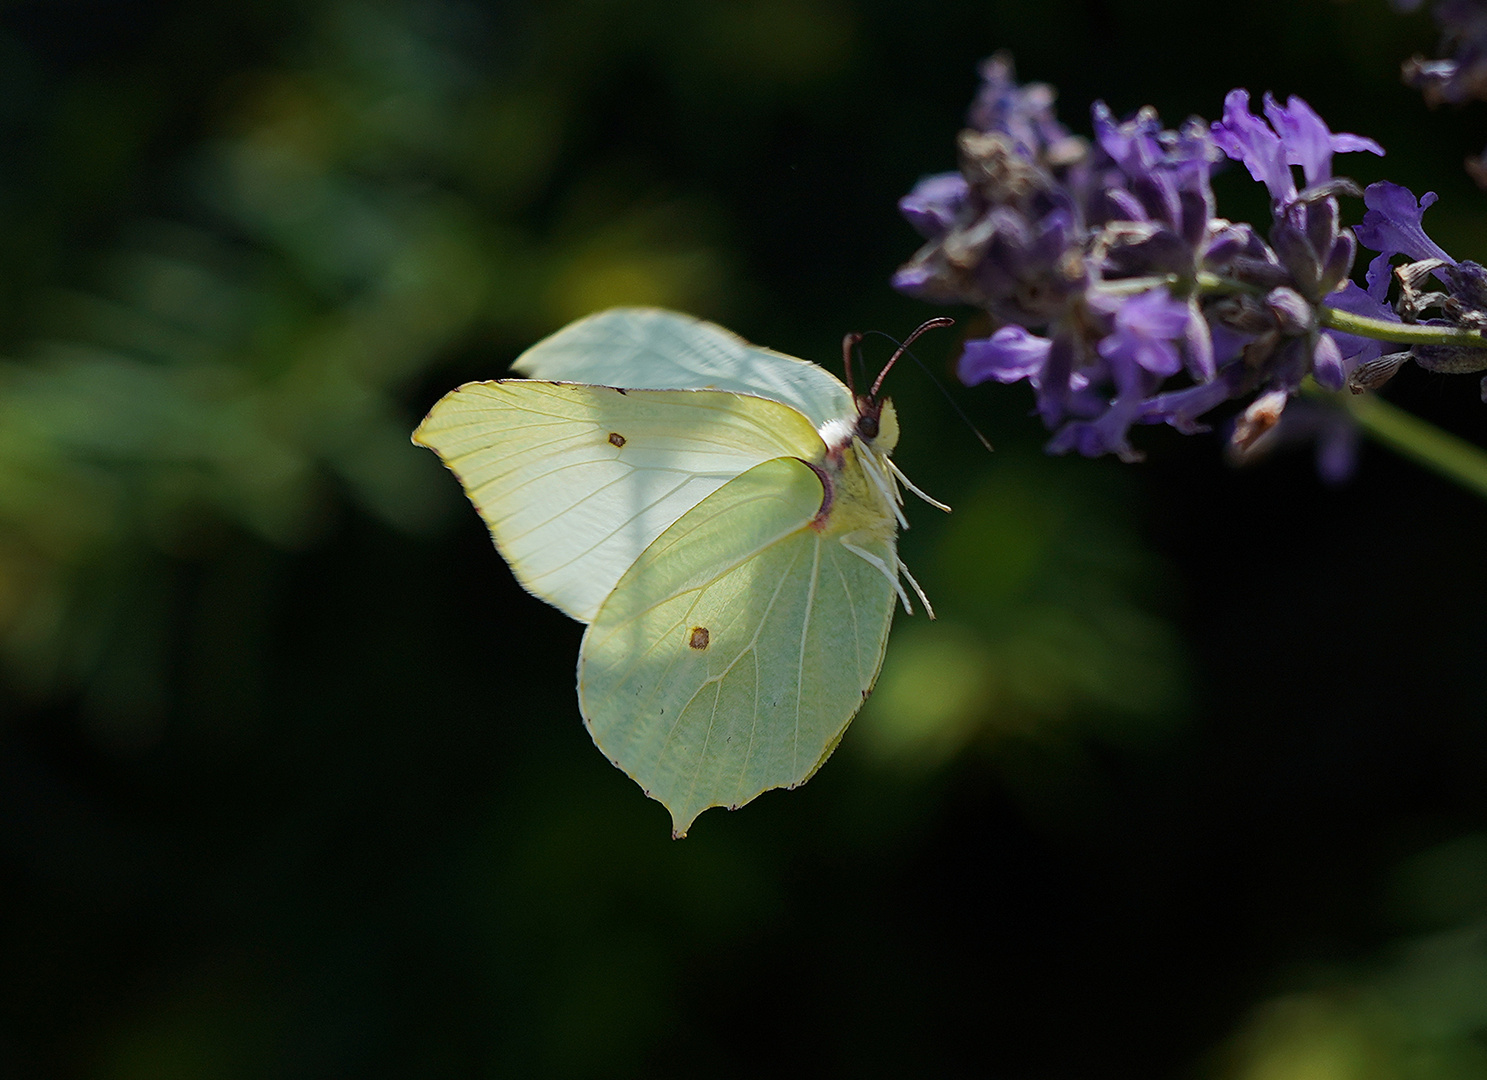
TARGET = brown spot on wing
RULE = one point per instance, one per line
(699, 638)
(616, 439)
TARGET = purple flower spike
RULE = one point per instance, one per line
(1109, 272)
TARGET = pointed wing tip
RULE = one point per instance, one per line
(682, 819)
(681, 822)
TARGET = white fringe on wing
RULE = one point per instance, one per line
(872, 560)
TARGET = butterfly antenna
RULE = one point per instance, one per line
(929, 324)
(904, 350)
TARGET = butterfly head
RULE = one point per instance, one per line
(876, 424)
(875, 427)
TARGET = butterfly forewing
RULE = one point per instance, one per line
(664, 350)
(575, 481)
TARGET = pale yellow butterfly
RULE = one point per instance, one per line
(723, 517)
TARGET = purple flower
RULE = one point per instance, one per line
(934, 203)
(1146, 327)
(1394, 222)
(1007, 356)
(1295, 135)
(1308, 142)
(1023, 113)
(1306, 232)
(1162, 182)
(1248, 139)
(1394, 225)
(1182, 408)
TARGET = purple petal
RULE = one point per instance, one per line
(1145, 328)
(915, 279)
(1296, 135)
(1008, 355)
(1106, 435)
(1134, 144)
(1307, 140)
(1227, 342)
(1379, 275)
(934, 203)
(1326, 363)
(1198, 345)
(1246, 138)
(1394, 224)
(1181, 408)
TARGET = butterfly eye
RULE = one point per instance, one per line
(867, 426)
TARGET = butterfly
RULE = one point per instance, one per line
(724, 519)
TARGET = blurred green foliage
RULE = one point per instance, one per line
(1041, 622)
(1186, 779)
(1418, 1010)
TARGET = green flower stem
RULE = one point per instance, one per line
(1423, 443)
(1332, 318)
(1403, 333)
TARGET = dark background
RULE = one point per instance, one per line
(1187, 780)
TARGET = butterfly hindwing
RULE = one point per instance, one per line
(732, 655)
